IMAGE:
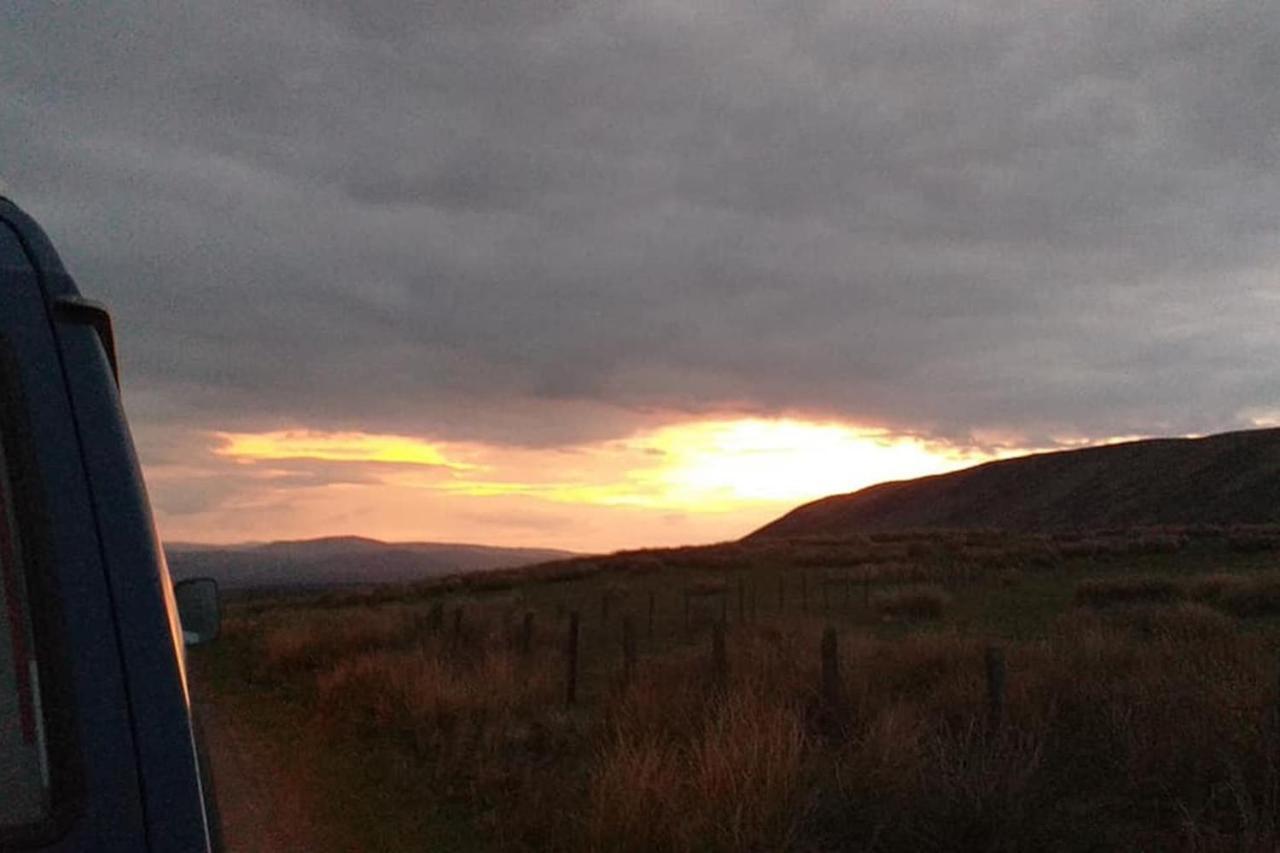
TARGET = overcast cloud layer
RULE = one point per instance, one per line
(532, 221)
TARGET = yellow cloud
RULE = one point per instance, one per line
(335, 447)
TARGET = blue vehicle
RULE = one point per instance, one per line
(97, 742)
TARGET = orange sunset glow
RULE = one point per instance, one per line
(685, 481)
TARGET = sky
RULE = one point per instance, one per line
(638, 272)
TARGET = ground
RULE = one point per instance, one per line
(263, 803)
(425, 717)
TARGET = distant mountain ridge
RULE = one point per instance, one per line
(341, 561)
(1230, 478)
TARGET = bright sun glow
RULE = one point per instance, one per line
(696, 466)
(741, 461)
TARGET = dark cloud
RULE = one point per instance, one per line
(542, 221)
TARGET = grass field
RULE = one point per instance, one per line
(1116, 690)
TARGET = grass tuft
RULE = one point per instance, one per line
(1180, 621)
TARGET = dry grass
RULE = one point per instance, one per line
(1242, 595)
(925, 601)
(1102, 725)
(462, 716)
(732, 782)
(1116, 711)
(313, 639)
(1141, 720)
(1175, 622)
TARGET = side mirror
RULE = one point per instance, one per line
(199, 610)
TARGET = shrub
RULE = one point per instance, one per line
(643, 564)
(908, 573)
(925, 601)
(984, 537)
(1247, 543)
(1243, 595)
(1209, 588)
(1157, 544)
(1041, 555)
(1009, 579)
(707, 586)
(1258, 596)
(1179, 622)
(1079, 548)
(557, 571)
(494, 580)
(313, 639)
(1102, 592)
(921, 550)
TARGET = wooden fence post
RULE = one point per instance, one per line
(1275, 710)
(995, 687)
(526, 633)
(831, 692)
(719, 658)
(571, 660)
(628, 649)
(1272, 727)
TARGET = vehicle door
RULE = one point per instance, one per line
(68, 770)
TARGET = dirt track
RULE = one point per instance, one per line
(262, 795)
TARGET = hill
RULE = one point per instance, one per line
(1231, 478)
(341, 561)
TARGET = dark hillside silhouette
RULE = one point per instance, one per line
(1231, 478)
(342, 560)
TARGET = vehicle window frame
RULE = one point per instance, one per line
(45, 612)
